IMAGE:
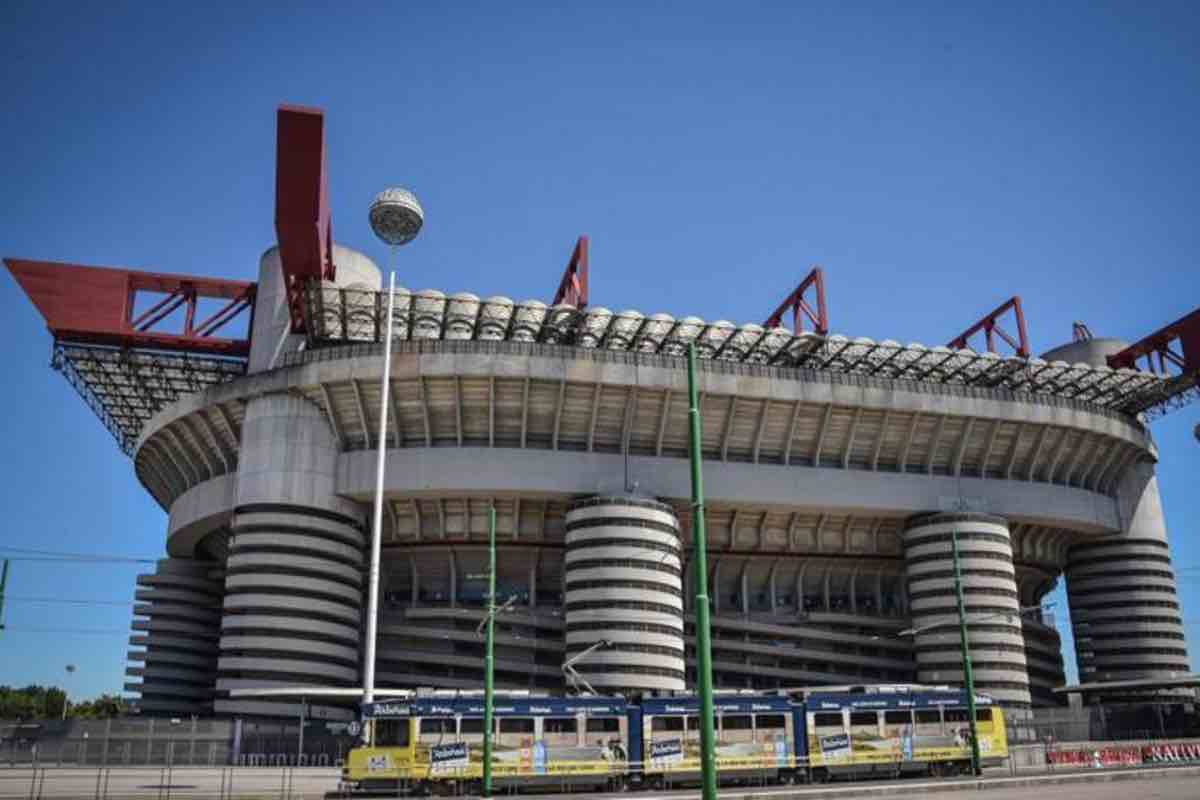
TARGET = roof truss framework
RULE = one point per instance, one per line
(126, 387)
(1123, 390)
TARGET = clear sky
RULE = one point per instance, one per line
(935, 159)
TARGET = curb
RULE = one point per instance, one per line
(914, 788)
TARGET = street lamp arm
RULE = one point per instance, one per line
(970, 620)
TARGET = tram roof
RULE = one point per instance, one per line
(503, 707)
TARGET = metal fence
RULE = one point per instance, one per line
(137, 741)
(1109, 723)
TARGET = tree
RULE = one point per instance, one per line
(46, 702)
(31, 702)
(105, 706)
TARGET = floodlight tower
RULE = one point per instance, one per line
(396, 218)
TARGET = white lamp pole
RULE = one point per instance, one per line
(377, 526)
(70, 671)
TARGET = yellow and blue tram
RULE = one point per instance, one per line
(434, 743)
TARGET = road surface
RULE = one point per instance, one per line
(266, 783)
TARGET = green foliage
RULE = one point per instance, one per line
(42, 702)
(103, 707)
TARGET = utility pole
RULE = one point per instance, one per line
(489, 663)
(3, 582)
(968, 675)
(708, 761)
(300, 742)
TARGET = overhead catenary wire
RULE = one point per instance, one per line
(70, 631)
(27, 554)
(70, 601)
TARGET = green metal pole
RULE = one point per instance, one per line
(708, 761)
(489, 662)
(3, 582)
(968, 674)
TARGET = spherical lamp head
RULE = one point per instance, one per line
(396, 216)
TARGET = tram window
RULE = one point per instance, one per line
(897, 717)
(559, 725)
(739, 722)
(391, 733)
(603, 725)
(769, 727)
(666, 724)
(864, 718)
(983, 715)
(929, 722)
(471, 725)
(438, 725)
(955, 714)
(516, 724)
(828, 721)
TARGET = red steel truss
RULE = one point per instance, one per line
(95, 305)
(111, 353)
(573, 288)
(801, 308)
(990, 326)
(1159, 351)
(302, 219)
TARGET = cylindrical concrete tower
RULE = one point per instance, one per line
(990, 596)
(1093, 352)
(1124, 607)
(179, 620)
(293, 586)
(622, 583)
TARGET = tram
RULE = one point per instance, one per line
(432, 743)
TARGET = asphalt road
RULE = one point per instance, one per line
(314, 783)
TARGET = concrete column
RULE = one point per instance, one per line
(1122, 590)
(825, 586)
(714, 587)
(991, 599)
(295, 571)
(771, 585)
(744, 587)
(533, 570)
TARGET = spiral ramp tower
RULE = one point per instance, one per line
(1125, 608)
(622, 585)
(991, 602)
(177, 621)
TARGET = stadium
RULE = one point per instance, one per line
(836, 469)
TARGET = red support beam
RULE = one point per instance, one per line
(813, 309)
(990, 326)
(1183, 333)
(573, 288)
(302, 219)
(95, 305)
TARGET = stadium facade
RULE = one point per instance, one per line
(836, 471)
(832, 495)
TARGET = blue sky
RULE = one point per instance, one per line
(936, 159)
